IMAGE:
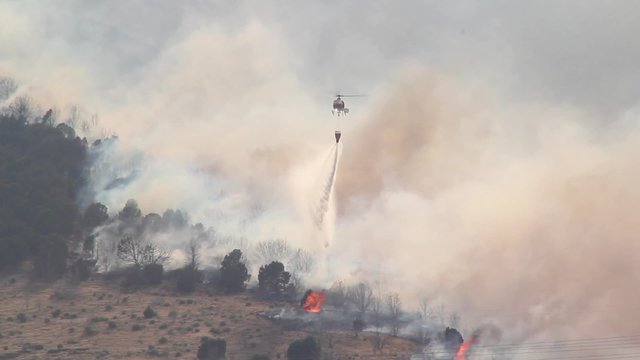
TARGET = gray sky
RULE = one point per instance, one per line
(582, 52)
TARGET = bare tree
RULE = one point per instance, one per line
(337, 295)
(7, 87)
(273, 250)
(141, 252)
(378, 342)
(90, 127)
(360, 296)
(425, 308)
(193, 252)
(301, 261)
(376, 312)
(395, 310)
(74, 117)
(440, 313)
(21, 108)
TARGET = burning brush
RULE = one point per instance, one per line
(464, 347)
(312, 301)
(481, 334)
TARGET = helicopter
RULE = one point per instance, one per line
(339, 109)
(338, 105)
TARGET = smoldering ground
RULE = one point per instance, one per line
(491, 169)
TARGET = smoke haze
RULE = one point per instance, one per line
(492, 168)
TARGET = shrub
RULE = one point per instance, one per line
(259, 357)
(153, 273)
(163, 340)
(187, 279)
(305, 349)
(69, 316)
(89, 330)
(212, 349)
(133, 277)
(452, 339)
(149, 313)
(358, 325)
(30, 346)
(22, 318)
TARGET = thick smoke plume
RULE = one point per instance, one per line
(523, 215)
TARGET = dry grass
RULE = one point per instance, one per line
(96, 319)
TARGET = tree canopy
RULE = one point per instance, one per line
(233, 273)
(273, 279)
(41, 171)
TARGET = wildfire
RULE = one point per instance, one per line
(312, 301)
(460, 355)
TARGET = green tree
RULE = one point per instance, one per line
(273, 279)
(95, 215)
(41, 171)
(233, 273)
(130, 213)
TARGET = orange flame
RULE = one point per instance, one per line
(312, 301)
(460, 355)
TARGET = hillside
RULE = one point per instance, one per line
(96, 319)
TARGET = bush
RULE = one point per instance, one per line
(89, 330)
(259, 357)
(358, 325)
(133, 277)
(22, 318)
(153, 273)
(212, 349)
(188, 278)
(452, 339)
(149, 313)
(233, 273)
(306, 349)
